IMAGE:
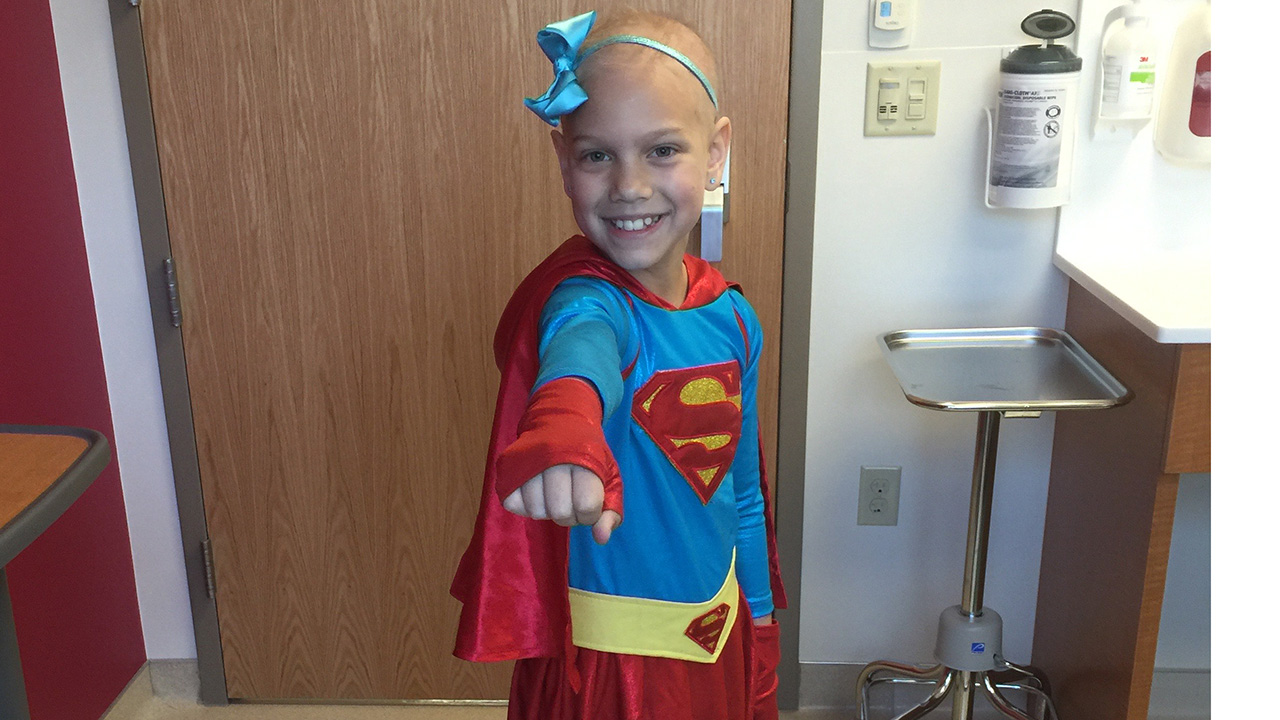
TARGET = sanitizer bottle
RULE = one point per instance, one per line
(1182, 126)
(1129, 67)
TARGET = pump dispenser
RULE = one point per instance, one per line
(1182, 127)
(1129, 67)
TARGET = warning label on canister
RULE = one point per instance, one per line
(1028, 142)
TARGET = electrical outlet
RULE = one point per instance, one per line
(878, 495)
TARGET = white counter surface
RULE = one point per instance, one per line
(1164, 294)
(1138, 228)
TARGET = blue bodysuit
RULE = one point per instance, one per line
(678, 388)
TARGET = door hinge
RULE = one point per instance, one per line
(206, 549)
(171, 290)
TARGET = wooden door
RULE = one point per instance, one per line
(353, 190)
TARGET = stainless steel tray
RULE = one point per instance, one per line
(1001, 369)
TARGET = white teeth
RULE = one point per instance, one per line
(635, 224)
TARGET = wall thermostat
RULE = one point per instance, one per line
(891, 23)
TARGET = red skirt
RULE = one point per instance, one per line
(740, 685)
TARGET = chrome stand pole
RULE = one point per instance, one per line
(984, 473)
(975, 553)
(962, 703)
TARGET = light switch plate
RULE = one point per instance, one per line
(914, 85)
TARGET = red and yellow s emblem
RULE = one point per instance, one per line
(694, 415)
(706, 629)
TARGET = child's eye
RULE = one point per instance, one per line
(664, 151)
(595, 156)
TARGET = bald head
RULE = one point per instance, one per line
(664, 29)
(625, 60)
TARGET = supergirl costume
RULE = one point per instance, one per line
(657, 622)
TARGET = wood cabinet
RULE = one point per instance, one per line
(1112, 491)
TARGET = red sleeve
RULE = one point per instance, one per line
(561, 425)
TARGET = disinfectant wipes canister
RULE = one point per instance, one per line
(1035, 128)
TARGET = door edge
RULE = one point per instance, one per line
(144, 161)
(797, 288)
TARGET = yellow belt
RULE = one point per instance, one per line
(656, 628)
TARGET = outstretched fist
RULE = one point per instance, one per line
(568, 495)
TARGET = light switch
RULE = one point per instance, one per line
(916, 89)
(902, 98)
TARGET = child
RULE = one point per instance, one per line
(626, 363)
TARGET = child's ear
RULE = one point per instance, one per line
(562, 154)
(721, 135)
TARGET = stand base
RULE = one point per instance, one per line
(966, 684)
(969, 642)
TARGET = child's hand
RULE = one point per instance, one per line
(568, 495)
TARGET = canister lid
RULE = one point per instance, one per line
(1041, 60)
(1048, 25)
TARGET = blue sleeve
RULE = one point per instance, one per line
(752, 545)
(584, 332)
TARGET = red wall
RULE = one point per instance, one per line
(75, 604)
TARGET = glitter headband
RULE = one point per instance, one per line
(561, 43)
(665, 49)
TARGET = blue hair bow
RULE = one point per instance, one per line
(560, 42)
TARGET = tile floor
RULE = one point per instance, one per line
(169, 693)
(142, 703)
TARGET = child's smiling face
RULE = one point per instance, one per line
(636, 158)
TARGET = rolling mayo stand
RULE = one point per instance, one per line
(1010, 372)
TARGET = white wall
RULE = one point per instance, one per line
(100, 156)
(902, 240)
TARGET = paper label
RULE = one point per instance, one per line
(1128, 85)
(1028, 142)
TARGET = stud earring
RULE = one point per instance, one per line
(713, 183)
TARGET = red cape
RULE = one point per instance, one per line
(513, 578)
